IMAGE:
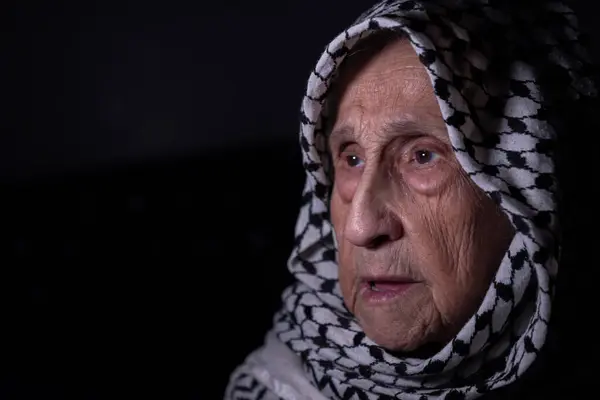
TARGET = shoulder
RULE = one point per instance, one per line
(274, 372)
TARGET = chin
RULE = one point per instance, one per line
(394, 343)
(401, 333)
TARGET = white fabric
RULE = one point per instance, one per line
(280, 370)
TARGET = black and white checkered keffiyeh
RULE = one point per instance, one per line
(499, 69)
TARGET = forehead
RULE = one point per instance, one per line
(385, 87)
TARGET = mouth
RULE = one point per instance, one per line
(378, 290)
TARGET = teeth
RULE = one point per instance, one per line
(373, 286)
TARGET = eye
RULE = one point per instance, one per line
(353, 160)
(425, 156)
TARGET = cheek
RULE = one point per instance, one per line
(337, 211)
(439, 224)
(428, 182)
(451, 222)
(459, 227)
(347, 276)
(346, 269)
(345, 185)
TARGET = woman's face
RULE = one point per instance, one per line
(418, 242)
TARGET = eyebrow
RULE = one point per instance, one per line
(395, 127)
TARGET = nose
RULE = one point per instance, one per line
(370, 223)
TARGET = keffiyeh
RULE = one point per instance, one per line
(500, 70)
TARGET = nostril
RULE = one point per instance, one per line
(378, 241)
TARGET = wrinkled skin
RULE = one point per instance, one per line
(402, 206)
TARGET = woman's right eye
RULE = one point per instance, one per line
(353, 160)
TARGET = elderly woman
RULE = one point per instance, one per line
(427, 243)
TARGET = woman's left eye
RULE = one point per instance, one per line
(425, 156)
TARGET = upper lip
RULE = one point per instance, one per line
(388, 279)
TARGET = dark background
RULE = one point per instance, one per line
(150, 184)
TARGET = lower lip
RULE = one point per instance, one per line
(386, 291)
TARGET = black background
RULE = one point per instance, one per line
(150, 184)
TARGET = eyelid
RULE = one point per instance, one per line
(342, 147)
(406, 145)
(405, 158)
(428, 143)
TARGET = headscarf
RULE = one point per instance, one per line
(501, 71)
